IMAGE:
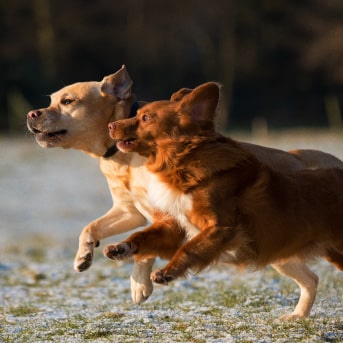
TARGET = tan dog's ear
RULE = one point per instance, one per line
(118, 84)
(178, 95)
(202, 102)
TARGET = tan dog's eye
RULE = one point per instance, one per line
(66, 101)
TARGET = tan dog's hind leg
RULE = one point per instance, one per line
(306, 280)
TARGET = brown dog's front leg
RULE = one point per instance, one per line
(161, 239)
(120, 251)
(202, 250)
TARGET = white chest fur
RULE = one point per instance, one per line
(177, 205)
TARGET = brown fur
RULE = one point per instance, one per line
(246, 213)
(78, 118)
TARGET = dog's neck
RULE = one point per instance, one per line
(185, 165)
(113, 149)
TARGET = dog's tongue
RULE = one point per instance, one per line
(126, 142)
(124, 145)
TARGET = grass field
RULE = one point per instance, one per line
(47, 196)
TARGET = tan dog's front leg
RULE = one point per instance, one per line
(117, 220)
(87, 242)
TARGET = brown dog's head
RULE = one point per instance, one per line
(165, 121)
(78, 114)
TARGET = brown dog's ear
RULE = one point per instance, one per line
(118, 84)
(202, 102)
(178, 95)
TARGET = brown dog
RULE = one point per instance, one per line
(213, 191)
(78, 118)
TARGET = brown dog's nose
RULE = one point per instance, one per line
(34, 114)
(112, 126)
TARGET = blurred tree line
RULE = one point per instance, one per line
(279, 60)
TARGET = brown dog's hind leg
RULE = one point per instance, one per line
(306, 280)
(335, 257)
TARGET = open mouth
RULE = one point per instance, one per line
(52, 134)
(126, 145)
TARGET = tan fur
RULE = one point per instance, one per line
(246, 212)
(77, 118)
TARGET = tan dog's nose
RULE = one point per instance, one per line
(34, 114)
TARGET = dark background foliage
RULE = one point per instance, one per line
(279, 60)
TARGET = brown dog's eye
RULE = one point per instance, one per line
(145, 117)
(66, 101)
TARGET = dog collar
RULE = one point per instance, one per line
(110, 151)
(113, 149)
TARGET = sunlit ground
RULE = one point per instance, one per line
(48, 196)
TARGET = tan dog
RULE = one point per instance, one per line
(78, 118)
(213, 191)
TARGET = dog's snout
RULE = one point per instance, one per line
(34, 114)
(112, 126)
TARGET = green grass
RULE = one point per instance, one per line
(44, 300)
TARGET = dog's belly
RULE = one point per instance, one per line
(162, 198)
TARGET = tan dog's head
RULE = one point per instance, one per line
(163, 121)
(79, 114)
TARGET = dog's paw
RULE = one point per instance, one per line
(140, 292)
(160, 276)
(82, 263)
(119, 251)
(291, 317)
(84, 257)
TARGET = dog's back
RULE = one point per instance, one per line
(296, 214)
(279, 214)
